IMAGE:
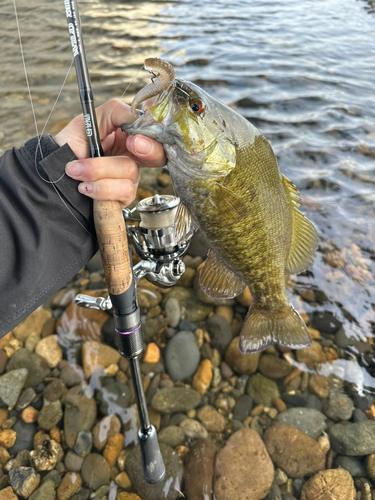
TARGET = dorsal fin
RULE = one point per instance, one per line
(217, 281)
(304, 238)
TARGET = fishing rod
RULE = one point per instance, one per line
(113, 244)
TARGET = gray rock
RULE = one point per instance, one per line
(353, 439)
(25, 436)
(26, 397)
(171, 435)
(73, 462)
(22, 459)
(348, 335)
(95, 471)
(307, 420)
(167, 489)
(220, 333)
(325, 321)
(338, 406)
(54, 390)
(173, 311)
(175, 399)
(187, 325)
(355, 466)
(72, 375)
(79, 415)
(359, 416)
(169, 332)
(35, 364)
(364, 402)
(45, 492)
(83, 443)
(182, 355)
(274, 493)
(53, 476)
(314, 402)
(83, 494)
(244, 405)
(11, 385)
(50, 415)
(24, 480)
(113, 398)
(193, 429)
(262, 389)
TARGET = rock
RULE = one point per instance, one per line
(50, 415)
(11, 385)
(113, 448)
(199, 470)
(5, 457)
(172, 435)
(325, 321)
(123, 481)
(331, 484)
(7, 438)
(73, 462)
(78, 324)
(83, 443)
(353, 439)
(274, 367)
(307, 420)
(211, 419)
(338, 407)
(3, 360)
(95, 471)
(128, 496)
(113, 398)
(152, 354)
(50, 350)
(53, 476)
(26, 397)
(359, 416)
(203, 377)
(153, 326)
(104, 429)
(348, 335)
(168, 488)
(72, 375)
(244, 405)
(25, 436)
(262, 389)
(79, 415)
(293, 451)
(312, 355)
(318, 385)
(355, 466)
(148, 298)
(32, 324)
(24, 480)
(274, 493)
(36, 365)
(182, 355)
(193, 429)
(96, 355)
(175, 399)
(241, 363)
(45, 492)
(54, 390)
(243, 469)
(173, 311)
(47, 454)
(69, 485)
(219, 330)
(7, 494)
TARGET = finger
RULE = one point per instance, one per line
(122, 190)
(112, 115)
(148, 152)
(105, 167)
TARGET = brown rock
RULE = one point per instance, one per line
(32, 324)
(24, 480)
(47, 454)
(50, 350)
(245, 298)
(79, 414)
(128, 496)
(241, 363)
(318, 385)
(203, 377)
(293, 451)
(7, 438)
(4, 456)
(113, 448)
(331, 484)
(152, 354)
(96, 355)
(104, 429)
(123, 481)
(69, 485)
(312, 355)
(3, 360)
(199, 470)
(30, 415)
(7, 494)
(226, 312)
(243, 469)
(3, 416)
(274, 367)
(335, 258)
(211, 419)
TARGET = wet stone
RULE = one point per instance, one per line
(50, 350)
(83, 443)
(193, 429)
(199, 470)
(348, 335)
(211, 419)
(325, 321)
(359, 416)
(24, 480)
(353, 439)
(113, 398)
(182, 355)
(262, 389)
(187, 326)
(318, 385)
(241, 363)
(26, 397)
(79, 415)
(69, 485)
(95, 471)
(338, 407)
(274, 367)
(11, 385)
(171, 435)
(175, 399)
(355, 466)
(173, 311)
(73, 462)
(219, 331)
(25, 436)
(333, 484)
(274, 494)
(45, 492)
(50, 415)
(312, 355)
(54, 390)
(104, 429)
(295, 399)
(36, 365)
(72, 375)
(96, 355)
(314, 402)
(307, 420)
(244, 405)
(53, 476)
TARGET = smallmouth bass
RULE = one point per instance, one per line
(230, 186)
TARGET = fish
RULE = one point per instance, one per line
(228, 180)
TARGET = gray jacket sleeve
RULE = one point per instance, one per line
(46, 229)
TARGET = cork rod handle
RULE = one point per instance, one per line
(113, 244)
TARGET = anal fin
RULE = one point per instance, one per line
(217, 281)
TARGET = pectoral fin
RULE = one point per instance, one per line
(185, 227)
(304, 237)
(224, 200)
(217, 281)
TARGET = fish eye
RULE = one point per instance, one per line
(196, 106)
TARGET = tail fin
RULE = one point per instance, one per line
(263, 328)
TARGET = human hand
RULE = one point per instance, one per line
(116, 175)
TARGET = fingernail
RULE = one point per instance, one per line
(74, 169)
(85, 188)
(142, 145)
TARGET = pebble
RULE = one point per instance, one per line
(32, 324)
(355, 466)
(338, 407)
(331, 484)
(36, 365)
(69, 485)
(193, 429)
(24, 480)
(212, 420)
(7, 494)
(127, 496)
(47, 454)
(243, 407)
(241, 363)
(3, 360)
(318, 385)
(53, 476)
(370, 466)
(4, 456)
(45, 492)
(243, 468)
(348, 335)
(173, 311)
(353, 439)
(26, 398)
(219, 331)
(152, 354)
(50, 350)
(203, 377)
(199, 470)
(293, 451)
(54, 390)
(95, 471)
(262, 389)
(73, 462)
(307, 420)
(245, 298)
(32, 341)
(153, 326)
(72, 375)
(182, 355)
(81, 324)
(25, 437)
(96, 355)
(311, 356)
(325, 321)
(274, 493)
(79, 414)
(104, 429)
(7, 438)
(172, 435)
(113, 398)
(113, 448)
(50, 415)
(123, 481)
(274, 367)
(83, 443)
(11, 385)
(175, 399)
(168, 488)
